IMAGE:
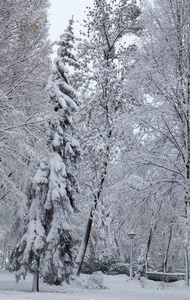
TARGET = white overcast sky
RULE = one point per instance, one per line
(61, 11)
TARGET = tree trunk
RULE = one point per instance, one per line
(165, 264)
(147, 250)
(186, 102)
(186, 267)
(4, 256)
(148, 246)
(9, 254)
(83, 247)
(36, 275)
(119, 246)
(35, 285)
(186, 242)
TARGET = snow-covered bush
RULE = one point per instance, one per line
(119, 268)
(95, 281)
(94, 263)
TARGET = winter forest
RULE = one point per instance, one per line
(95, 145)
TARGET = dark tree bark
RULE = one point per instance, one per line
(165, 264)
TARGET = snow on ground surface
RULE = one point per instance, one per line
(118, 287)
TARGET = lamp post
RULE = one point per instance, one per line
(131, 235)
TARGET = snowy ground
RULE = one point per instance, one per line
(117, 288)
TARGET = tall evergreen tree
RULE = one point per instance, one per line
(52, 194)
(58, 260)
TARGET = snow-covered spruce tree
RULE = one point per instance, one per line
(58, 260)
(46, 249)
(27, 254)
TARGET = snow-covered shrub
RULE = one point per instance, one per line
(95, 281)
(95, 263)
(119, 268)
